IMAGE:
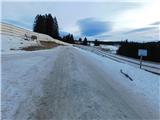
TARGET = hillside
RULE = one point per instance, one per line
(15, 38)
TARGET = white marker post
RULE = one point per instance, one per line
(141, 53)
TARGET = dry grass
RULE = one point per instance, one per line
(44, 45)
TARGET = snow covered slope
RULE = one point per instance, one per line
(14, 38)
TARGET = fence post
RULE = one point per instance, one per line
(140, 61)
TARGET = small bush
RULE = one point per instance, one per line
(33, 37)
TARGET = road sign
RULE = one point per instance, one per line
(142, 52)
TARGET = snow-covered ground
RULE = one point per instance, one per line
(70, 83)
(14, 38)
(14, 44)
(110, 48)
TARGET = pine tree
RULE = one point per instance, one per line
(69, 39)
(39, 24)
(80, 40)
(85, 42)
(49, 25)
(96, 43)
(55, 28)
(46, 24)
(35, 27)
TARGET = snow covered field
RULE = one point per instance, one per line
(70, 83)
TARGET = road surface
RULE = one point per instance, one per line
(78, 89)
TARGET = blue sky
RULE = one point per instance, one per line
(104, 19)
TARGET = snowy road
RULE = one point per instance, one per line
(70, 84)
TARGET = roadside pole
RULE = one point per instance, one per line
(141, 61)
(141, 53)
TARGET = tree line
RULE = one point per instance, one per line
(130, 49)
(48, 25)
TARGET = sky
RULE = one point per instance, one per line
(135, 20)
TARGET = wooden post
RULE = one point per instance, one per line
(140, 61)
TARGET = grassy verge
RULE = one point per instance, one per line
(44, 45)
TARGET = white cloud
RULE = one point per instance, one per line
(139, 17)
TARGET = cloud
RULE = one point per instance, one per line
(156, 23)
(104, 36)
(92, 27)
(141, 30)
